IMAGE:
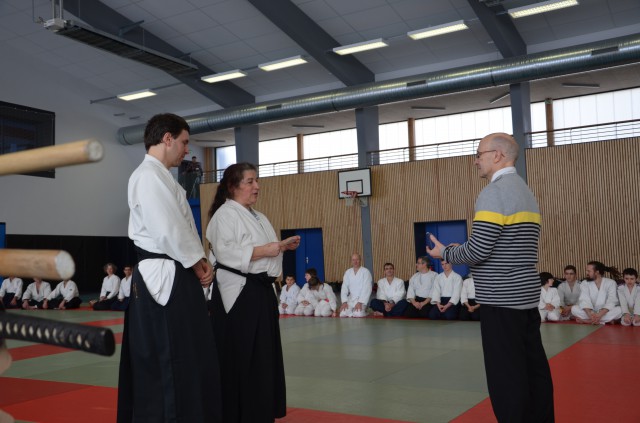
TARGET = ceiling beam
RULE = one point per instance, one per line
(314, 40)
(497, 22)
(102, 17)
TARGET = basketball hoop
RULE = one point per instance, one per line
(352, 198)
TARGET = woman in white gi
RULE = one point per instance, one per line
(289, 296)
(628, 295)
(65, 297)
(549, 306)
(248, 259)
(109, 290)
(35, 294)
(598, 302)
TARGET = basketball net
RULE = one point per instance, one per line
(352, 198)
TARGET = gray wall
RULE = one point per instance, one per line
(89, 200)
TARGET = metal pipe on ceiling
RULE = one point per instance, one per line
(582, 58)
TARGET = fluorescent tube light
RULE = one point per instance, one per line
(358, 47)
(428, 108)
(579, 85)
(224, 76)
(283, 63)
(545, 6)
(437, 30)
(135, 95)
(500, 97)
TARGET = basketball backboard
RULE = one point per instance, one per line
(358, 180)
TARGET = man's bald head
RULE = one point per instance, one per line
(505, 144)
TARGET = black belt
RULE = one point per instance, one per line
(261, 278)
(144, 255)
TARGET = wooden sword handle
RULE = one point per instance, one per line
(45, 264)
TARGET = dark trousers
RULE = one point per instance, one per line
(72, 303)
(414, 313)
(8, 297)
(466, 315)
(34, 303)
(397, 310)
(105, 304)
(120, 305)
(518, 374)
(450, 314)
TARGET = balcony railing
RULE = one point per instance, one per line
(564, 136)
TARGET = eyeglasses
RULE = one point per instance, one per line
(480, 153)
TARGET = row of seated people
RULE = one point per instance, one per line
(114, 293)
(595, 300)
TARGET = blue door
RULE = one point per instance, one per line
(309, 254)
(447, 233)
(3, 232)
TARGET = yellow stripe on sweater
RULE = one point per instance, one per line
(501, 219)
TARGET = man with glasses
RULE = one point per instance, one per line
(569, 292)
(502, 252)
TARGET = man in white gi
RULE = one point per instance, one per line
(598, 302)
(125, 290)
(389, 301)
(11, 292)
(569, 292)
(420, 287)
(356, 289)
(468, 304)
(446, 294)
(35, 294)
(64, 297)
(168, 365)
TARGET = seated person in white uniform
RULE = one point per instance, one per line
(389, 301)
(289, 296)
(598, 302)
(11, 292)
(64, 297)
(125, 290)
(446, 294)
(569, 292)
(628, 295)
(420, 288)
(549, 306)
(327, 302)
(469, 308)
(316, 299)
(35, 294)
(109, 290)
(356, 289)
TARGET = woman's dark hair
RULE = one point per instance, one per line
(160, 124)
(313, 282)
(312, 272)
(602, 268)
(544, 278)
(231, 179)
(630, 271)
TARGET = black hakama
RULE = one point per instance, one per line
(168, 366)
(250, 350)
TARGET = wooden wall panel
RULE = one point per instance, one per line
(588, 195)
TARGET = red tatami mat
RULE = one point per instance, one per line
(593, 380)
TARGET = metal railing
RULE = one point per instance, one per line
(563, 136)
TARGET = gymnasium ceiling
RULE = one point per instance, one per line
(222, 35)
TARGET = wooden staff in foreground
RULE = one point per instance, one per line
(47, 158)
(49, 264)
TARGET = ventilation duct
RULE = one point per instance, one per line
(583, 58)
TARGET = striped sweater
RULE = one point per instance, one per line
(503, 248)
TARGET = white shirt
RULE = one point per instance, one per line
(549, 296)
(595, 299)
(356, 287)
(447, 286)
(11, 286)
(393, 291)
(628, 299)
(233, 233)
(421, 284)
(468, 291)
(110, 284)
(567, 295)
(33, 293)
(125, 288)
(68, 292)
(161, 221)
(289, 294)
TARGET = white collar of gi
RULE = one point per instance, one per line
(503, 171)
(149, 158)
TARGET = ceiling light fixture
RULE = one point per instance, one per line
(358, 47)
(135, 95)
(283, 63)
(500, 97)
(545, 6)
(300, 125)
(428, 108)
(579, 85)
(224, 76)
(437, 30)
